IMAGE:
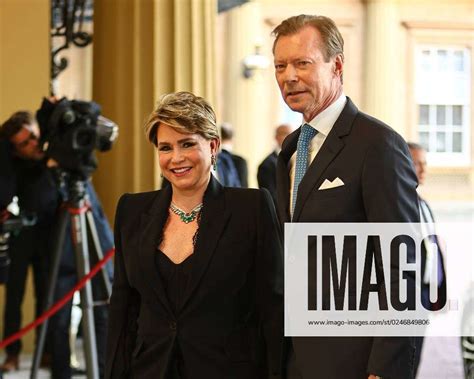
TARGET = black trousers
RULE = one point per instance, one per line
(30, 247)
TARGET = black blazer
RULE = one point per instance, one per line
(266, 175)
(231, 324)
(379, 186)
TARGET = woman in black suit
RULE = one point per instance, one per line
(199, 268)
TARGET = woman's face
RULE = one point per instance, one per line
(185, 159)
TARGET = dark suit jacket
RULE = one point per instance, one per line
(379, 186)
(425, 294)
(231, 323)
(226, 170)
(227, 162)
(266, 175)
(242, 169)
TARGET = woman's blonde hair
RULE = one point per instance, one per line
(185, 113)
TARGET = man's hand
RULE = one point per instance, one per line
(374, 377)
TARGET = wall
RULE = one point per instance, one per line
(24, 80)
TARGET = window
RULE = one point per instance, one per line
(290, 117)
(443, 100)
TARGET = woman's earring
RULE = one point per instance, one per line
(214, 162)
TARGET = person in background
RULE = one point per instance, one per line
(24, 173)
(266, 175)
(198, 287)
(232, 169)
(428, 261)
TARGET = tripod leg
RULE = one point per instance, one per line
(59, 236)
(99, 253)
(79, 231)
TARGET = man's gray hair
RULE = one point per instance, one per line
(332, 38)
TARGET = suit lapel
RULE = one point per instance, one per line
(283, 175)
(151, 226)
(214, 218)
(328, 152)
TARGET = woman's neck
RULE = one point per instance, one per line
(187, 200)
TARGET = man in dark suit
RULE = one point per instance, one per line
(232, 169)
(428, 262)
(266, 175)
(339, 166)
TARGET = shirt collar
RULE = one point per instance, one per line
(325, 120)
(226, 146)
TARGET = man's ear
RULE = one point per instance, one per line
(339, 65)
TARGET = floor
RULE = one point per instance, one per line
(441, 359)
(25, 366)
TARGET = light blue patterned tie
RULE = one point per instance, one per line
(302, 154)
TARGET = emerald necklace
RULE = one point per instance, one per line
(186, 217)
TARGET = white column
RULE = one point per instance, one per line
(383, 72)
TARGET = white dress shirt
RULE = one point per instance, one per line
(323, 123)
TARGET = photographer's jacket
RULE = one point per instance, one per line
(38, 193)
(31, 181)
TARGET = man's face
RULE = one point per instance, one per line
(307, 82)
(419, 160)
(26, 143)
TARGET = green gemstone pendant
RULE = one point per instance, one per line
(186, 217)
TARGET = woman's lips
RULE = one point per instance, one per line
(180, 171)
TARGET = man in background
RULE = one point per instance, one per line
(24, 173)
(430, 265)
(232, 169)
(266, 175)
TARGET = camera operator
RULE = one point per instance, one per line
(24, 173)
(29, 175)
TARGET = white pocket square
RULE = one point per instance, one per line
(328, 184)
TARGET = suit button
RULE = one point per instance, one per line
(173, 325)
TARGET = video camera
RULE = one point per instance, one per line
(70, 132)
(10, 226)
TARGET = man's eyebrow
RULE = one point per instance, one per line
(296, 59)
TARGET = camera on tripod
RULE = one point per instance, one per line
(10, 226)
(70, 132)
